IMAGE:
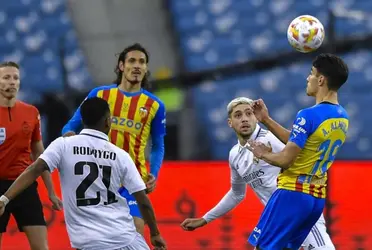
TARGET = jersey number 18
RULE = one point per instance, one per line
(329, 150)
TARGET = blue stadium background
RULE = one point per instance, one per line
(222, 49)
(210, 34)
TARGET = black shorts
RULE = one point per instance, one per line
(26, 208)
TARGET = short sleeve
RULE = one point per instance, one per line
(159, 122)
(131, 179)
(302, 128)
(53, 153)
(36, 133)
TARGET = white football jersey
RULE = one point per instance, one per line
(258, 174)
(91, 171)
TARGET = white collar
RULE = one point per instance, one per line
(253, 136)
(94, 133)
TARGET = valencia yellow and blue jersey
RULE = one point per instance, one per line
(319, 131)
(135, 116)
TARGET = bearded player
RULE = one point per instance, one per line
(247, 170)
(136, 115)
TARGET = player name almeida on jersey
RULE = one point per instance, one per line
(319, 131)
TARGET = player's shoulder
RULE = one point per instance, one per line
(26, 106)
(262, 134)
(59, 142)
(122, 154)
(234, 151)
(265, 136)
(94, 91)
(320, 112)
(153, 97)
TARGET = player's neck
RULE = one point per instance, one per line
(6, 102)
(243, 140)
(329, 96)
(129, 87)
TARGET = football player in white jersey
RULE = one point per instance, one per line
(91, 172)
(248, 170)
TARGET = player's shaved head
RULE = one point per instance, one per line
(94, 113)
(333, 68)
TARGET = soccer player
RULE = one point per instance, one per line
(92, 169)
(136, 114)
(248, 170)
(20, 138)
(317, 134)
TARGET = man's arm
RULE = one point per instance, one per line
(157, 154)
(284, 158)
(147, 211)
(132, 181)
(158, 132)
(302, 128)
(262, 114)
(26, 178)
(232, 198)
(37, 148)
(278, 130)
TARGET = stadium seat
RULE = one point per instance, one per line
(283, 90)
(35, 33)
(218, 33)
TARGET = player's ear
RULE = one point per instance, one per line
(121, 66)
(229, 122)
(321, 80)
(108, 122)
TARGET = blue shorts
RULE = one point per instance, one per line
(132, 203)
(286, 220)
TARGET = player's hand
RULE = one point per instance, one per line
(260, 110)
(69, 133)
(56, 202)
(258, 149)
(2, 208)
(158, 242)
(192, 224)
(150, 184)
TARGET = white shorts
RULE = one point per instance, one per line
(318, 238)
(138, 243)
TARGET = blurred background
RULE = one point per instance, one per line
(203, 53)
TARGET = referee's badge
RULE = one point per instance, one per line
(2, 135)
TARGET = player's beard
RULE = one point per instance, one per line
(133, 82)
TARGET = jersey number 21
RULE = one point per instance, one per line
(81, 201)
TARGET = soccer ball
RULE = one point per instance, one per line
(305, 33)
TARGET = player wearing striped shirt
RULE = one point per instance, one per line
(247, 170)
(311, 147)
(136, 115)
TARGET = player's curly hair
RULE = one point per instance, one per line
(333, 68)
(122, 56)
(93, 111)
